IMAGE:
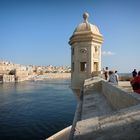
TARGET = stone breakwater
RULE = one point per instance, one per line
(49, 76)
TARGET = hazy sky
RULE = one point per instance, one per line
(37, 31)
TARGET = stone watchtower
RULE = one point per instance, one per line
(85, 52)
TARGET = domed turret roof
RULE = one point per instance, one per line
(86, 26)
(86, 32)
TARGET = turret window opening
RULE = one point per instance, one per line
(83, 66)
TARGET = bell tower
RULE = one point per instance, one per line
(85, 44)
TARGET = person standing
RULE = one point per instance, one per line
(135, 83)
(117, 76)
(112, 78)
(106, 73)
(134, 73)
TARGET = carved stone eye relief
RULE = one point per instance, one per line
(83, 50)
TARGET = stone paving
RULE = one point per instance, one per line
(94, 104)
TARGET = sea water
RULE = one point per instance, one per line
(35, 110)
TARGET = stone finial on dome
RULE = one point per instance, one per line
(85, 17)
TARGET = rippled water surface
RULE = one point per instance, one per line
(35, 110)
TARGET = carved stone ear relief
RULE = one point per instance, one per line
(83, 50)
(96, 48)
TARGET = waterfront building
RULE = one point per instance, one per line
(85, 44)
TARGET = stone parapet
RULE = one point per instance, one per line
(108, 112)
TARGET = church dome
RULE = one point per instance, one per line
(86, 27)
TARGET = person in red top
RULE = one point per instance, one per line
(136, 83)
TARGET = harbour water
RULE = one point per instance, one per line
(35, 110)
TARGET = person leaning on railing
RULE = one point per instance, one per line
(135, 83)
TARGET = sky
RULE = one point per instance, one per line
(37, 31)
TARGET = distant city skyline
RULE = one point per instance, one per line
(37, 32)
